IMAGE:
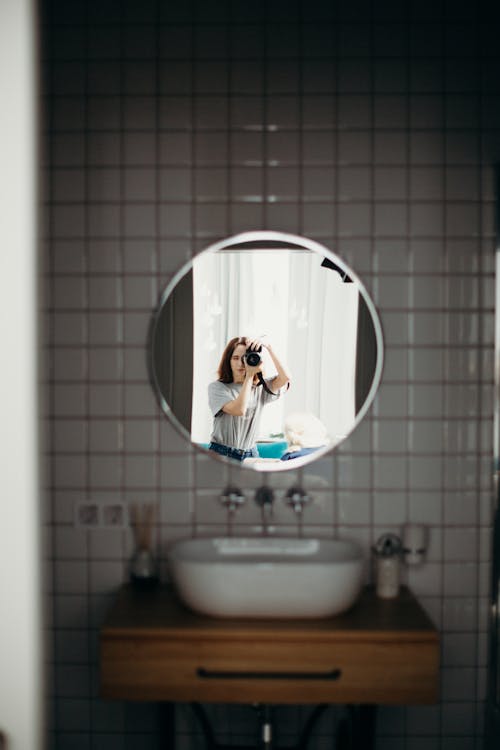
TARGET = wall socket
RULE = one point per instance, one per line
(100, 515)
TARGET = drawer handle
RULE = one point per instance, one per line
(208, 674)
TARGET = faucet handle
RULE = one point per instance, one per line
(297, 499)
(232, 498)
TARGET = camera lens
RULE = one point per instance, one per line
(252, 358)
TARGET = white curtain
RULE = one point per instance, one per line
(305, 309)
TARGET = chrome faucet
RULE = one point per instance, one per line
(232, 499)
(264, 497)
(297, 499)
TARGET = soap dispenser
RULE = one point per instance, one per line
(387, 552)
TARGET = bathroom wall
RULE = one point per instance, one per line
(371, 127)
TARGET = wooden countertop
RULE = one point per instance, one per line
(159, 612)
(380, 651)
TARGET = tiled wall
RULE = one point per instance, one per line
(370, 126)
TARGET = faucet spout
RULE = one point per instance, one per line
(264, 497)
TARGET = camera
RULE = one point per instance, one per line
(253, 357)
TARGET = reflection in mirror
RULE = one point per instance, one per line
(316, 322)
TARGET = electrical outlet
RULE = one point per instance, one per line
(113, 515)
(87, 515)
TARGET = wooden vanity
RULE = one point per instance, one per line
(379, 652)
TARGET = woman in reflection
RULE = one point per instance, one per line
(237, 398)
(304, 434)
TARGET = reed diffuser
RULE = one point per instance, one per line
(143, 567)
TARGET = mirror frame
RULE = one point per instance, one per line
(261, 237)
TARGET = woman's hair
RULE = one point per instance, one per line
(224, 371)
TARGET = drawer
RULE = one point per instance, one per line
(237, 671)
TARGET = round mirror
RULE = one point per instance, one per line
(313, 327)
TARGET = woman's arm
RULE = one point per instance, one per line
(283, 375)
(238, 406)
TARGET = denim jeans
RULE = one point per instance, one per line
(236, 453)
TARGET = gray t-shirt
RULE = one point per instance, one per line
(237, 432)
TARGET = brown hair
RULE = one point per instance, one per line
(224, 371)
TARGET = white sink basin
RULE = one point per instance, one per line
(267, 576)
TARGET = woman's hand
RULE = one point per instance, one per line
(255, 344)
(283, 376)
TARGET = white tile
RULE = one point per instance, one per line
(140, 436)
(395, 327)
(103, 150)
(72, 715)
(390, 436)
(460, 545)
(210, 184)
(461, 147)
(70, 543)
(139, 256)
(460, 508)
(390, 183)
(105, 401)
(390, 473)
(458, 719)
(139, 112)
(68, 185)
(105, 471)
(354, 183)
(103, 256)
(69, 435)
(106, 544)
(318, 220)
(283, 148)
(354, 147)
(425, 472)
(139, 292)
(392, 400)
(175, 148)
(105, 364)
(353, 507)
(71, 577)
(318, 111)
(427, 328)
(426, 401)
(460, 579)
(462, 473)
(141, 471)
(282, 76)
(105, 576)
(69, 221)
(354, 219)
(176, 507)
(175, 220)
(70, 471)
(390, 147)
(426, 111)
(210, 220)
(176, 472)
(389, 507)
(393, 290)
(391, 219)
(459, 649)
(390, 76)
(425, 580)
(71, 646)
(458, 684)
(352, 472)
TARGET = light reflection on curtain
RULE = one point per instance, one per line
(309, 315)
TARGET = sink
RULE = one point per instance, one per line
(267, 576)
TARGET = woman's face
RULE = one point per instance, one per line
(237, 366)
